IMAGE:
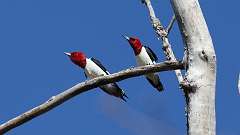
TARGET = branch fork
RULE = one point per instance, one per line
(162, 34)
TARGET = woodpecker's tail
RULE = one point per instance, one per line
(154, 80)
(123, 99)
(123, 96)
(159, 87)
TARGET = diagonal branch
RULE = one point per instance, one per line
(170, 25)
(83, 87)
(162, 34)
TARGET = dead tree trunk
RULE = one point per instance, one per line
(201, 68)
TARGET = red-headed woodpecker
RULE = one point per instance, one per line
(93, 68)
(145, 56)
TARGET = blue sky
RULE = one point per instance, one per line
(34, 35)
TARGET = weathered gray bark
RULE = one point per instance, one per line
(201, 68)
(83, 87)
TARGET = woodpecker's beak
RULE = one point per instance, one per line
(126, 37)
(68, 54)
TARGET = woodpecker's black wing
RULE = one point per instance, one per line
(100, 65)
(85, 74)
(150, 52)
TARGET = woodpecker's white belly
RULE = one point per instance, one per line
(92, 70)
(143, 58)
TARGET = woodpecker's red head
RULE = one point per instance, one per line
(135, 44)
(78, 58)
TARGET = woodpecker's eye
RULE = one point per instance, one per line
(74, 54)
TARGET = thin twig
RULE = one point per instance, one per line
(239, 83)
(83, 87)
(170, 25)
(162, 34)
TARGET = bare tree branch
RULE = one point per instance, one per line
(170, 25)
(239, 83)
(85, 86)
(162, 34)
